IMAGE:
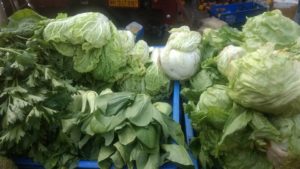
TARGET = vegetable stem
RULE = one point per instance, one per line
(10, 50)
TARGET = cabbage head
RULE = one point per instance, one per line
(270, 27)
(89, 30)
(114, 58)
(267, 80)
(214, 105)
(82, 37)
(227, 55)
(181, 56)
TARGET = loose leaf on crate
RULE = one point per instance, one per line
(177, 154)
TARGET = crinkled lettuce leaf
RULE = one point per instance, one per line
(266, 80)
(270, 27)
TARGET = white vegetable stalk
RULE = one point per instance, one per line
(179, 65)
(155, 56)
(181, 57)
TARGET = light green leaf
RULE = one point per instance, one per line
(140, 113)
(164, 108)
(126, 135)
(263, 128)
(117, 160)
(139, 156)
(153, 160)
(240, 122)
(148, 136)
(109, 138)
(177, 154)
(105, 153)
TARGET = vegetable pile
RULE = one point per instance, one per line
(244, 101)
(55, 105)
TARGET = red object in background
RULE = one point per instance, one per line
(49, 3)
(170, 9)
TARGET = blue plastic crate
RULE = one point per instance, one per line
(237, 13)
(25, 163)
(189, 132)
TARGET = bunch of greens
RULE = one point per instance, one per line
(33, 94)
(244, 101)
(128, 128)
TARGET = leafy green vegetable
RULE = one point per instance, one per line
(270, 27)
(213, 41)
(114, 57)
(22, 23)
(214, 105)
(72, 37)
(246, 159)
(209, 117)
(284, 154)
(156, 83)
(266, 80)
(73, 30)
(226, 56)
(205, 78)
(140, 51)
(138, 130)
(33, 96)
(152, 82)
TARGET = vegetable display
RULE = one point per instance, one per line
(243, 101)
(77, 88)
(57, 104)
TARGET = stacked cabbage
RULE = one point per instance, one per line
(106, 56)
(245, 100)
